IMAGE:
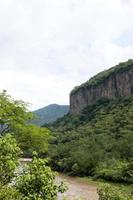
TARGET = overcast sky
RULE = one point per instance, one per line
(49, 46)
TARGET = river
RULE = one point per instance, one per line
(77, 189)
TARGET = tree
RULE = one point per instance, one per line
(9, 154)
(33, 138)
(13, 113)
(14, 118)
(38, 182)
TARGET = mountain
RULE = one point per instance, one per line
(114, 82)
(96, 137)
(49, 114)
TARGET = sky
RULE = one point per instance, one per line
(47, 47)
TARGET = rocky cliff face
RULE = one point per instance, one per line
(114, 85)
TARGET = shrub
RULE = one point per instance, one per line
(9, 193)
(116, 170)
(38, 182)
(128, 172)
(108, 192)
(9, 154)
(75, 169)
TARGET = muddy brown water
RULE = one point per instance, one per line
(77, 189)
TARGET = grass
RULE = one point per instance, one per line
(126, 188)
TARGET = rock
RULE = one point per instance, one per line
(117, 84)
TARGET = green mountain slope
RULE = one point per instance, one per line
(49, 114)
(97, 142)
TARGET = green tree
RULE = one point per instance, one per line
(14, 118)
(38, 182)
(12, 113)
(9, 154)
(33, 138)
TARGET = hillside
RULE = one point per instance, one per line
(114, 82)
(98, 142)
(98, 139)
(49, 114)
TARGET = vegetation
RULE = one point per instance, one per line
(97, 143)
(102, 76)
(9, 193)
(33, 138)
(36, 181)
(9, 154)
(14, 116)
(108, 192)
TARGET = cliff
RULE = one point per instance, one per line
(115, 82)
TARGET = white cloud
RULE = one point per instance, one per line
(47, 47)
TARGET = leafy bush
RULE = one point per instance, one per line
(75, 169)
(128, 172)
(33, 138)
(108, 192)
(115, 170)
(38, 182)
(111, 170)
(9, 193)
(14, 116)
(9, 154)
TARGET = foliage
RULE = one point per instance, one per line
(116, 170)
(14, 118)
(108, 192)
(102, 76)
(102, 133)
(128, 172)
(9, 154)
(38, 182)
(9, 193)
(12, 113)
(33, 138)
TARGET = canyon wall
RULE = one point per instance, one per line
(115, 85)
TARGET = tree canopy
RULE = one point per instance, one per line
(98, 142)
(14, 118)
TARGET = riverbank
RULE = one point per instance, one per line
(85, 188)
